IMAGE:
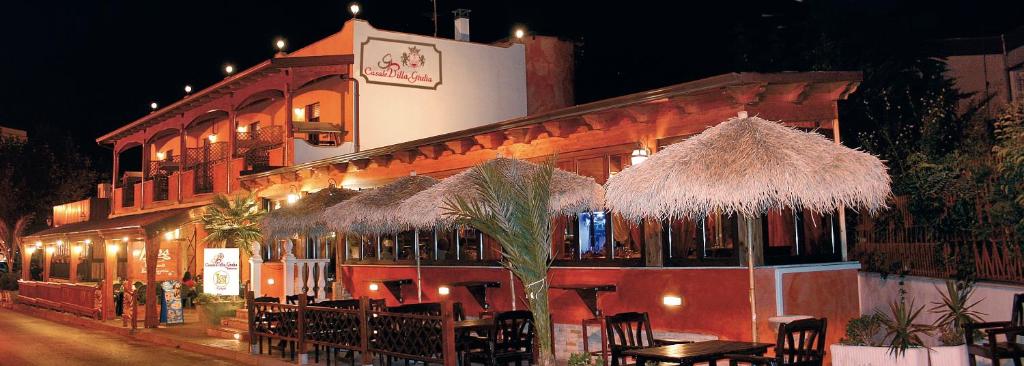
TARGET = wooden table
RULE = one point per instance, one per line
(690, 353)
(473, 324)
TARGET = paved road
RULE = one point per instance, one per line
(25, 340)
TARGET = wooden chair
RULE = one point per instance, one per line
(632, 330)
(800, 343)
(1010, 330)
(510, 340)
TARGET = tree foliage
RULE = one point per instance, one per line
(35, 175)
(512, 207)
(232, 222)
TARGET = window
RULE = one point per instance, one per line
(794, 236)
(707, 241)
(313, 112)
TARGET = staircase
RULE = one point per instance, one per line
(230, 326)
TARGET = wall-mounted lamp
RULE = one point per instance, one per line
(293, 195)
(270, 281)
(669, 300)
(51, 249)
(76, 250)
(242, 129)
(169, 235)
(374, 287)
(60, 242)
(212, 137)
(88, 241)
(112, 248)
(30, 250)
(299, 114)
(39, 244)
(136, 252)
(160, 155)
(124, 239)
(639, 155)
(444, 290)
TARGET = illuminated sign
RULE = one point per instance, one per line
(220, 271)
(400, 63)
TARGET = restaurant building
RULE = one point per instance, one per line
(364, 107)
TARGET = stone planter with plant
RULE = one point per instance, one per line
(213, 308)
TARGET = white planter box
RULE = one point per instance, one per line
(879, 356)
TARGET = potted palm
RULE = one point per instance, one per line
(231, 223)
(896, 338)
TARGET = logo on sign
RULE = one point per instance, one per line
(400, 63)
(220, 271)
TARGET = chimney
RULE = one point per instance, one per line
(461, 24)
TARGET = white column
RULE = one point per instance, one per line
(255, 270)
(289, 269)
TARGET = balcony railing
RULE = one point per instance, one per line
(991, 260)
(127, 185)
(201, 161)
(255, 146)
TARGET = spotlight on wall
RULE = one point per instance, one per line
(374, 287)
(669, 300)
(354, 9)
(188, 89)
(444, 290)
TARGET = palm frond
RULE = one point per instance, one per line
(232, 222)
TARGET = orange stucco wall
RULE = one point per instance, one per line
(833, 295)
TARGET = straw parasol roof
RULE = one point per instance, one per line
(748, 165)
(304, 216)
(375, 211)
(570, 193)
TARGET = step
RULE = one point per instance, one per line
(227, 333)
(236, 323)
(242, 313)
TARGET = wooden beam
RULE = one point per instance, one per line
(643, 113)
(749, 94)
(382, 160)
(794, 93)
(460, 146)
(360, 164)
(518, 135)
(601, 120)
(406, 156)
(490, 140)
(433, 151)
(562, 128)
(338, 168)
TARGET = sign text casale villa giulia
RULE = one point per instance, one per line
(400, 63)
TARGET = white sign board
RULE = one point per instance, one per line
(220, 271)
(401, 63)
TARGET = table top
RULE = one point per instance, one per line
(594, 287)
(474, 323)
(697, 351)
(476, 283)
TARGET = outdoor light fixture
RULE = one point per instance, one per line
(242, 129)
(50, 249)
(519, 33)
(212, 137)
(88, 241)
(639, 156)
(299, 114)
(124, 239)
(354, 9)
(293, 196)
(672, 300)
(188, 89)
(270, 281)
(444, 290)
(374, 287)
(237, 336)
(279, 44)
(60, 242)
(136, 252)
(112, 248)
(153, 105)
(77, 249)
(30, 250)
(229, 69)
(160, 155)
(168, 236)
(39, 244)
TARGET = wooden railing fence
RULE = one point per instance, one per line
(989, 260)
(368, 330)
(73, 298)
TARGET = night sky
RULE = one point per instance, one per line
(85, 68)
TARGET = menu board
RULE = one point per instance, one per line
(220, 271)
(172, 302)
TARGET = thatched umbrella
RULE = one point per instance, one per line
(570, 193)
(375, 212)
(305, 215)
(749, 166)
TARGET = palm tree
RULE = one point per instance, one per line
(232, 223)
(513, 209)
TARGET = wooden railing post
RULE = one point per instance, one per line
(448, 334)
(250, 311)
(364, 330)
(300, 343)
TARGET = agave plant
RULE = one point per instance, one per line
(956, 310)
(232, 222)
(514, 210)
(902, 331)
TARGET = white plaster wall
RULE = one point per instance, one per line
(877, 293)
(304, 152)
(481, 84)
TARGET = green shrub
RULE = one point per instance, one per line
(863, 331)
(8, 281)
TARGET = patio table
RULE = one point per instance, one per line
(690, 353)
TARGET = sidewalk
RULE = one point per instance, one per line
(190, 337)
